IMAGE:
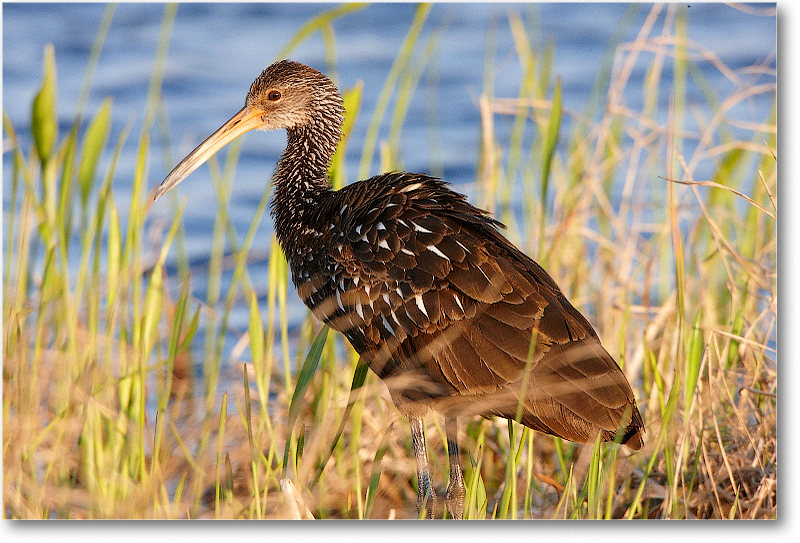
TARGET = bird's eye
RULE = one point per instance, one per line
(274, 96)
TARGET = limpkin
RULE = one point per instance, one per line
(448, 313)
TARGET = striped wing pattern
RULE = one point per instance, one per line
(442, 307)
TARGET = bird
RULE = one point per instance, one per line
(440, 305)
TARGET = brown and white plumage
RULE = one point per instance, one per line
(421, 282)
(438, 303)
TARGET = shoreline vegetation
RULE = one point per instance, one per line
(665, 236)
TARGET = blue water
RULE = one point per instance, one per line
(216, 50)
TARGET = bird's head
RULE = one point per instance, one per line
(289, 94)
(286, 95)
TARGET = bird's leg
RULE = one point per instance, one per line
(426, 495)
(454, 498)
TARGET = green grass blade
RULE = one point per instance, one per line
(549, 143)
(477, 500)
(593, 487)
(303, 380)
(400, 64)
(251, 442)
(66, 158)
(694, 355)
(223, 415)
(317, 23)
(174, 342)
(551, 138)
(256, 331)
(352, 105)
(376, 472)
(359, 376)
(94, 142)
(44, 120)
(97, 48)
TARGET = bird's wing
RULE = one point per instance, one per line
(434, 297)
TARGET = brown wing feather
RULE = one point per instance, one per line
(445, 309)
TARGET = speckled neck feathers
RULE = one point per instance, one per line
(312, 117)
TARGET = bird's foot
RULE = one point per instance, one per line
(454, 498)
(426, 501)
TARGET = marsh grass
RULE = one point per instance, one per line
(664, 235)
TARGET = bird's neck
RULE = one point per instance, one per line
(300, 180)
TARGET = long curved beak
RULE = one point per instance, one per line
(245, 120)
